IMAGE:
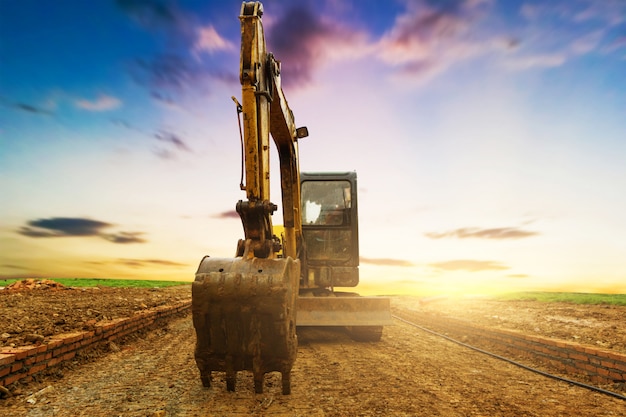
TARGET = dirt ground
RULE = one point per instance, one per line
(409, 372)
(32, 312)
(601, 326)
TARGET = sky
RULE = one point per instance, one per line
(489, 137)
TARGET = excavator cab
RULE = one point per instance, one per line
(330, 230)
(330, 259)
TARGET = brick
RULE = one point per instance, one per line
(108, 326)
(54, 343)
(13, 378)
(615, 376)
(37, 368)
(580, 348)
(20, 352)
(70, 338)
(587, 367)
(578, 357)
(561, 353)
(5, 371)
(600, 380)
(616, 356)
(607, 364)
(16, 367)
(6, 358)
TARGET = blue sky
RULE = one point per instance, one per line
(489, 137)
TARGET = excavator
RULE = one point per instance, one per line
(246, 309)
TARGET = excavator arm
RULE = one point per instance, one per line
(244, 307)
(265, 110)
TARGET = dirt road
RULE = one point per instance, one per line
(408, 373)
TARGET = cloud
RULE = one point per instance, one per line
(13, 266)
(468, 265)
(165, 71)
(303, 41)
(230, 214)
(25, 107)
(127, 125)
(208, 40)
(76, 227)
(142, 263)
(429, 38)
(148, 13)
(587, 43)
(124, 237)
(386, 261)
(177, 66)
(561, 31)
(102, 103)
(517, 276)
(617, 44)
(475, 232)
(63, 226)
(521, 63)
(164, 99)
(173, 139)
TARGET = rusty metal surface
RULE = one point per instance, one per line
(244, 317)
(343, 311)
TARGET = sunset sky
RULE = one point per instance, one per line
(489, 137)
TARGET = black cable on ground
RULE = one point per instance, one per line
(528, 368)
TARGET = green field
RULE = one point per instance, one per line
(109, 282)
(566, 297)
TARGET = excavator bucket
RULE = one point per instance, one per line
(364, 317)
(244, 316)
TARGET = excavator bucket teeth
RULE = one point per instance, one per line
(244, 316)
(343, 311)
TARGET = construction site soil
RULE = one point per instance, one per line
(408, 373)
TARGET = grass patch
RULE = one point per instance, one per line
(109, 282)
(566, 297)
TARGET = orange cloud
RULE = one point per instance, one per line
(469, 265)
(147, 262)
(386, 261)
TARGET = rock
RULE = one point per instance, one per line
(160, 413)
(32, 399)
(33, 338)
(4, 392)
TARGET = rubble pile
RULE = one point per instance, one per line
(34, 284)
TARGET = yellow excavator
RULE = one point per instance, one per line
(246, 309)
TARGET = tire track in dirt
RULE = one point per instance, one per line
(407, 373)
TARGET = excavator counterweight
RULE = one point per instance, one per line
(245, 309)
